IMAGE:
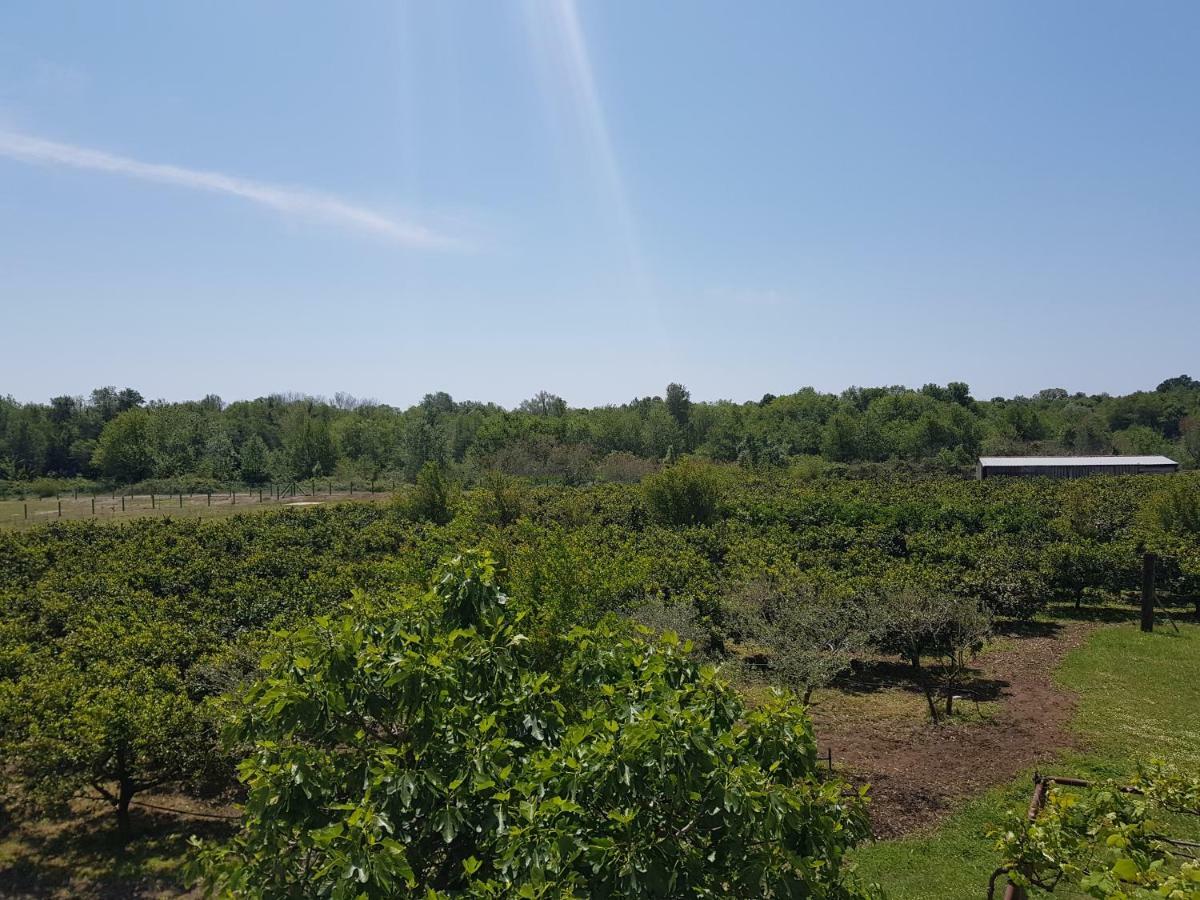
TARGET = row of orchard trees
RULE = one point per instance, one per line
(121, 647)
(117, 436)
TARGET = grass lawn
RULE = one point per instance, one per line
(1139, 698)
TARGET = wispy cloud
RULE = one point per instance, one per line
(291, 201)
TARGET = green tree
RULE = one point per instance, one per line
(124, 452)
(679, 404)
(308, 443)
(254, 460)
(425, 748)
(106, 711)
(839, 440)
(543, 403)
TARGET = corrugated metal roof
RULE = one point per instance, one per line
(1076, 461)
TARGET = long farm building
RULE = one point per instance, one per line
(1072, 466)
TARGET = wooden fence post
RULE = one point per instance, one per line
(1148, 561)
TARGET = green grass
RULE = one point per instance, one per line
(1139, 698)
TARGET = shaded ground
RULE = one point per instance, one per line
(80, 856)
(880, 734)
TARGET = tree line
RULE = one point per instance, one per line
(117, 437)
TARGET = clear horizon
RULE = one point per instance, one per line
(597, 199)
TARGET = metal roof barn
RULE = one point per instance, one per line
(1072, 466)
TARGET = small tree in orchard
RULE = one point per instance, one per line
(808, 638)
(917, 623)
(425, 748)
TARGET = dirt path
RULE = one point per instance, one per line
(918, 772)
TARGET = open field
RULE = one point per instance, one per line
(114, 508)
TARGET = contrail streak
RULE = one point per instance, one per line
(556, 24)
(291, 201)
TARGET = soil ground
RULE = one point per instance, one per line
(1013, 717)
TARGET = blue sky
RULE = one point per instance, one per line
(596, 199)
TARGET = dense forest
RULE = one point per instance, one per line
(117, 437)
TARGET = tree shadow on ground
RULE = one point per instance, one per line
(877, 675)
(81, 855)
(1025, 628)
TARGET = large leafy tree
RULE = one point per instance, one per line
(426, 748)
(125, 450)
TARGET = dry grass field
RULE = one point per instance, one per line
(108, 507)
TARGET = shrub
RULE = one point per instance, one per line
(431, 500)
(686, 493)
(500, 498)
(419, 750)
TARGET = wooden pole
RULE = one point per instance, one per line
(1148, 563)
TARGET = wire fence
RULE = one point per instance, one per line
(126, 503)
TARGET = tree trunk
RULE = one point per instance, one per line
(808, 692)
(125, 791)
(123, 800)
(933, 710)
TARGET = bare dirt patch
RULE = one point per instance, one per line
(919, 773)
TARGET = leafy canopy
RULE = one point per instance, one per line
(427, 748)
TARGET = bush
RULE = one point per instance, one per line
(432, 498)
(500, 499)
(686, 493)
(420, 750)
